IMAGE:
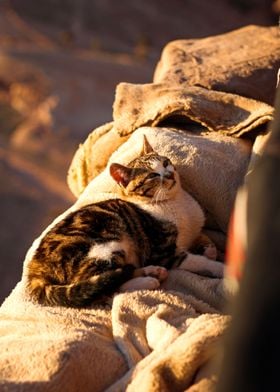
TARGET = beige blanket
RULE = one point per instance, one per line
(162, 338)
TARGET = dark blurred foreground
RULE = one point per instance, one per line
(250, 361)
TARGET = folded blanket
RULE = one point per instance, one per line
(177, 342)
(151, 104)
(54, 349)
(161, 105)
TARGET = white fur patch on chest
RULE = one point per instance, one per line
(104, 251)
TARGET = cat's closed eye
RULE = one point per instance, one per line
(166, 162)
(152, 175)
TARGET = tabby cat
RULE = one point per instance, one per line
(118, 244)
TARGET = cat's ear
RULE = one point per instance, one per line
(147, 148)
(121, 174)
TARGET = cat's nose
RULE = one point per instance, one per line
(169, 175)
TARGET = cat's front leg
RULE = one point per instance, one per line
(202, 265)
(210, 251)
(146, 278)
(154, 271)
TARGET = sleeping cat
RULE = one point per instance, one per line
(121, 243)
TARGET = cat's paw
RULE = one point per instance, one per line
(140, 283)
(203, 266)
(155, 271)
(210, 251)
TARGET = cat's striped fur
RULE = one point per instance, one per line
(91, 252)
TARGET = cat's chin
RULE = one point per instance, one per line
(149, 200)
(168, 195)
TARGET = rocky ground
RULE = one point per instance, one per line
(59, 64)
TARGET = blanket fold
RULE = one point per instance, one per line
(48, 348)
(150, 104)
(180, 365)
(169, 338)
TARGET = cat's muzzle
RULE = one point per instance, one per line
(169, 175)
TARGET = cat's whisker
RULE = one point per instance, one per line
(158, 195)
(161, 194)
(154, 198)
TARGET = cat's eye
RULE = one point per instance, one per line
(152, 175)
(166, 162)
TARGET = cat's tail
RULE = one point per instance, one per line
(82, 293)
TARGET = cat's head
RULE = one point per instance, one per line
(149, 176)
